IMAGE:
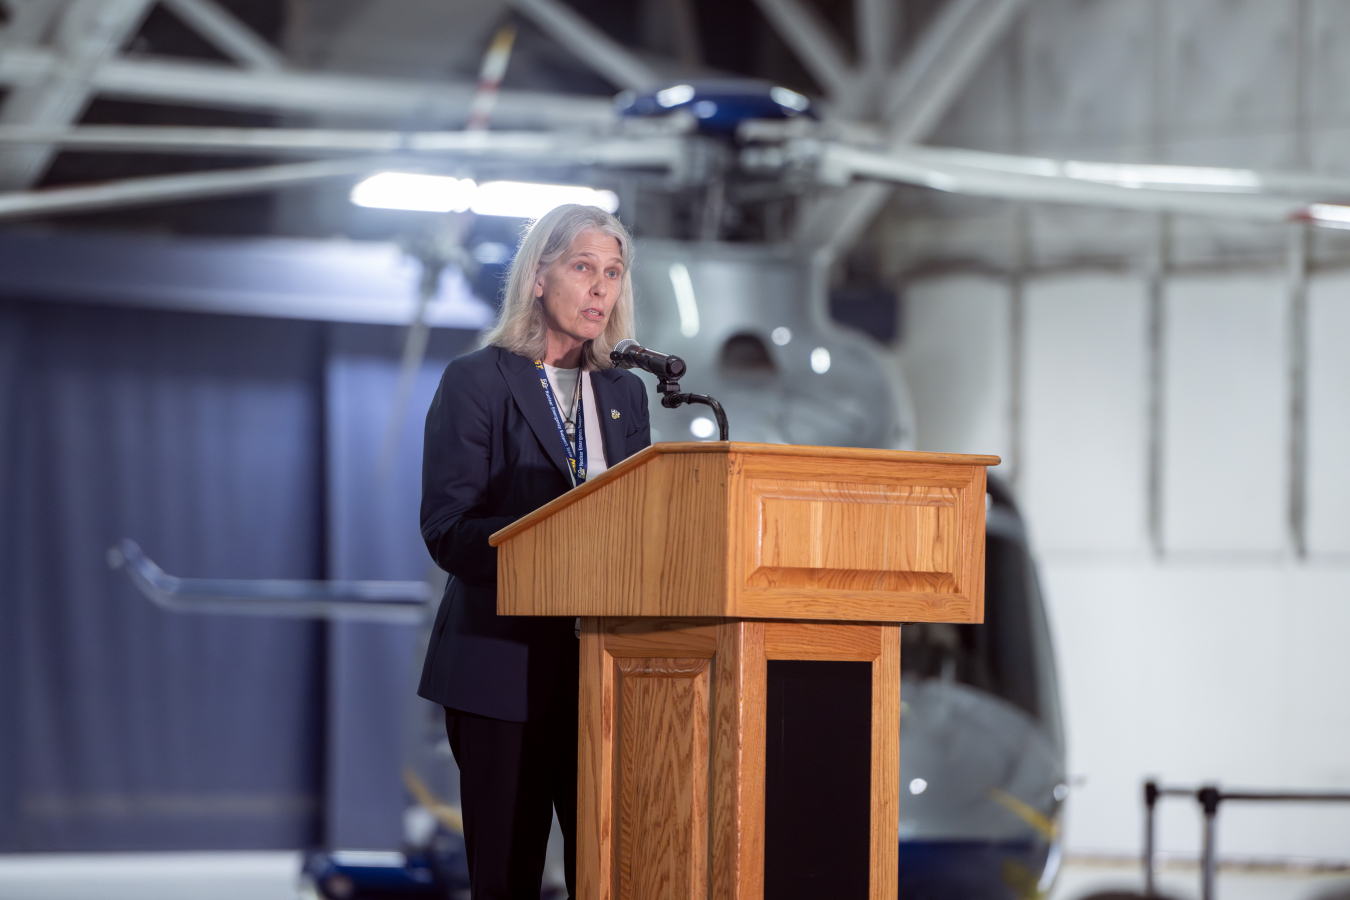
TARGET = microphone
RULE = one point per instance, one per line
(629, 354)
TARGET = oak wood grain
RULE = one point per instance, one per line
(757, 531)
(810, 452)
(595, 765)
(671, 768)
(724, 448)
(822, 641)
(627, 637)
(885, 830)
(662, 779)
(650, 544)
(738, 746)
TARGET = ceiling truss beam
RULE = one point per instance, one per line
(919, 93)
(226, 33)
(606, 56)
(223, 87)
(817, 46)
(952, 49)
(88, 34)
(170, 188)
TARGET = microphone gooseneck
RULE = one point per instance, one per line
(629, 354)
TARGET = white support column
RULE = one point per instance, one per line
(1017, 342)
(89, 33)
(1300, 238)
(1157, 266)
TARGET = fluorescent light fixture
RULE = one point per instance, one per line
(674, 96)
(781, 335)
(791, 99)
(684, 299)
(702, 428)
(918, 786)
(1329, 215)
(820, 360)
(420, 193)
(441, 193)
(522, 200)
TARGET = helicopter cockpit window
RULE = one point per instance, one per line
(1000, 656)
(746, 354)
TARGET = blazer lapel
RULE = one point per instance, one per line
(605, 404)
(523, 380)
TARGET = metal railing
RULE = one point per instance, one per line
(1209, 797)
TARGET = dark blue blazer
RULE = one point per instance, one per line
(493, 454)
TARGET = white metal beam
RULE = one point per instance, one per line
(951, 50)
(606, 56)
(665, 152)
(925, 169)
(921, 91)
(875, 25)
(225, 87)
(29, 21)
(89, 33)
(230, 36)
(169, 188)
(816, 45)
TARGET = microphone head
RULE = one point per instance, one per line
(623, 347)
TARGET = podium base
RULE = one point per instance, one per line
(672, 752)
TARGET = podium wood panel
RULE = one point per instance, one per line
(661, 780)
(672, 749)
(757, 531)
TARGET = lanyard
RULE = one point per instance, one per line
(576, 455)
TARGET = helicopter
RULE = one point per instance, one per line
(750, 194)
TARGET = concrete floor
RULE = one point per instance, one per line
(1081, 878)
(272, 876)
(150, 876)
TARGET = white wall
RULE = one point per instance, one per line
(1225, 436)
(1225, 659)
(960, 387)
(1085, 404)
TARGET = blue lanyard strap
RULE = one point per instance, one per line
(576, 455)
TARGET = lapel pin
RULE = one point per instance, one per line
(613, 413)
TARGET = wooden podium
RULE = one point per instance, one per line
(692, 565)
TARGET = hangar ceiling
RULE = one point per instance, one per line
(1201, 82)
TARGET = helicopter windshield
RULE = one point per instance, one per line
(1009, 655)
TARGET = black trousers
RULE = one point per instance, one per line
(512, 775)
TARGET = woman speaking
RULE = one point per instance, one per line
(512, 426)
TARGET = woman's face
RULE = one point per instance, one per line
(580, 289)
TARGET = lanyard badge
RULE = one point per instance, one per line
(576, 453)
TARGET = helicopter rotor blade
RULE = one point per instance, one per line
(370, 601)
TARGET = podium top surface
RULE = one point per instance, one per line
(727, 529)
(724, 448)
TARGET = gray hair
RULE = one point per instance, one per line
(520, 325)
